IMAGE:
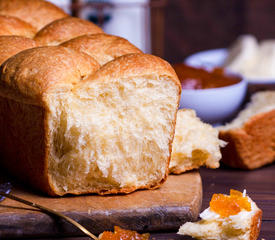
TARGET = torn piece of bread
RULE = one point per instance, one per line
(234, 217)
(102, 47)
(65, 29)
(251, 135)
(195, 144)
(14, 26)
(69, 127)
(242, 55)
(38, 13)
(10, 45)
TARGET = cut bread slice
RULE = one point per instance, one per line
(245, 225)
(195, 144)
(251, 135)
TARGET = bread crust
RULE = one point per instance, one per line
(101, 46)
(253, 145)
(255, 225)
(14, 26)
(38, 13)
(65, 29)
(33, 73)
(23, 145)
(11, 45)
(135, 64)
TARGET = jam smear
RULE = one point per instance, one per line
(122, 234)
(225, 205)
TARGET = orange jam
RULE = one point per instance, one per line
(122, 234)
(225, 205)
(199, 78)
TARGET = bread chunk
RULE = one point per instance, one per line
(38, 13)
(245, 225)
(101, 46)
(251, 135)
(79, 128)
(195, 144)
(15, 26)
(65, 29)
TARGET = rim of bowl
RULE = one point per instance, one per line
(223, 52)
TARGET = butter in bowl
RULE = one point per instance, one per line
(215, 95)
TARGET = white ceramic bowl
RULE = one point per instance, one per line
(215, 58)
(215, 105)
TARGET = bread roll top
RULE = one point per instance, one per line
(132, 65)
(11, 45)
(38, 13)
(15, 26)
(65, 29)
(102, 47)
(32, 73)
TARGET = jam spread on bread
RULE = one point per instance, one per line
(122, 234)
(198, 78)
(225, 205)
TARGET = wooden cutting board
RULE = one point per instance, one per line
(164, 209)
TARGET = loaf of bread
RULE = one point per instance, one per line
(69, 126)
(251, 135)
(15, 26)
(102, 47)
(240, 220)
(65, 29)
(38, 13)
(195, 144)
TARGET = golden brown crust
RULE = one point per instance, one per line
(11, 45)
(102, 47)
(255, 225)
(38, 13)
(30, 74)
(14, 26)
(65, 29)
(135, 64)
(253, 145)
(23, 147)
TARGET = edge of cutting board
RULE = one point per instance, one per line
(178, 200)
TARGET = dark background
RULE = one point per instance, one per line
(182, 27)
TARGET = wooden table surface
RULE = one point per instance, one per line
(260, 186)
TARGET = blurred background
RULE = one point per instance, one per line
(177, 28)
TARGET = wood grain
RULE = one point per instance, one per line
(164, 209)
(258, 183)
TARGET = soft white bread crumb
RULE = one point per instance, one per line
(260, 102)
(112, 135)
(243, 226)
(252, 59)
(242, 55)
(195, 143)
